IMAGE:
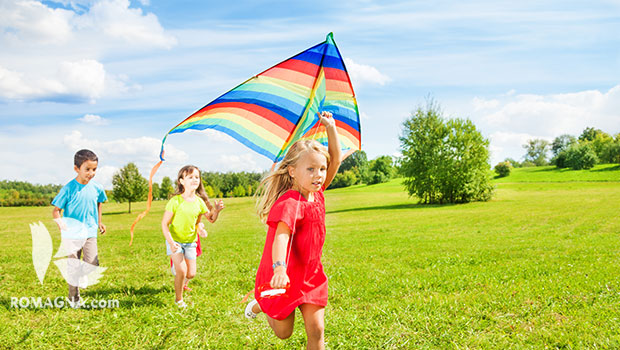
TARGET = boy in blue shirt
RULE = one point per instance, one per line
(80, 203)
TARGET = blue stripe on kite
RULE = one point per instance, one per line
(235, 135)
(345, 115)
(282, 106)
(315, 58)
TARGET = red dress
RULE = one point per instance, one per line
(308, 282)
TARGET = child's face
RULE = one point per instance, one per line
(190, 181)
(86, 171)
(309, 172)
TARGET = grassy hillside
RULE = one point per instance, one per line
(536, 267)
(601, 172)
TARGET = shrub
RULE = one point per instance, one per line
(503, 169)
(345, 179)
(581, 156)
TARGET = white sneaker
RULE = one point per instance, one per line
(249, 314)
(181, 304)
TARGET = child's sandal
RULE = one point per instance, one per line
(249, 314)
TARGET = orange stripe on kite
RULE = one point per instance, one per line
(291, 76)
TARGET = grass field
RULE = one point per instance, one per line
(535, 268)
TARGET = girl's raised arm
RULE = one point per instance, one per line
(333, 147)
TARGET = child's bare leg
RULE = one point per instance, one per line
(314, 320)
(181, 270)
(282, 329)
(191, 270)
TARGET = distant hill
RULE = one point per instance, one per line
(602, 172)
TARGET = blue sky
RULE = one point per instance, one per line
(114, 76)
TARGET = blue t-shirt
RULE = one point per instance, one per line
(79, 204)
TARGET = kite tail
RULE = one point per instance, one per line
(150, 197)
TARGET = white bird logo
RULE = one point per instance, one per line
(75, 271)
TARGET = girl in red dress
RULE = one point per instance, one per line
(293, 206)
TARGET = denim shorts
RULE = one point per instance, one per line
(188, 250)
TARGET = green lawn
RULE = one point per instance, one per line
(536, 267)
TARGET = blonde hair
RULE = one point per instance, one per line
(200, 191)
(277, 182)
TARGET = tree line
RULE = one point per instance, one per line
(20, 193)
(593, 146)
(129, 186)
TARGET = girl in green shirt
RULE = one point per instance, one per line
(180, 223)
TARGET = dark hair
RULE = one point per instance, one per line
(83, 155)
(200, 191)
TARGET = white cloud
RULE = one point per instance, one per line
(515, 119)
(53, 54)
(481, 104)
(553, 115)
(34, 22)
(83, 80)
(361, 73)
(117, 20)
(141, 148)
(93, 119)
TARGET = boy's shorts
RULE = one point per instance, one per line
(188, 250)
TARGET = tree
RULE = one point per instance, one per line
(156, 191)
(166, 189)
(238, 191)
(128, 185)
(601, 144)
(561, 143)
(444, 162)
(357, 159)
(611, 152)
(589, 134)
(536, 151)
(581, 156)
(513, 162)
(380, 170)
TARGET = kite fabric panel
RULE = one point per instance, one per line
(279, 106)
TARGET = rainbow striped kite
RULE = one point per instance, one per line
(274, 109)
(279, 106)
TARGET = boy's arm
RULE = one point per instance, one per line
(333, 147)
(101, 225)
(58, 218)
(278, 253)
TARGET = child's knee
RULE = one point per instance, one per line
(190, 275)
(283, 333)
(316, 330)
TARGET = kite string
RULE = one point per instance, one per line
(148, 201)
